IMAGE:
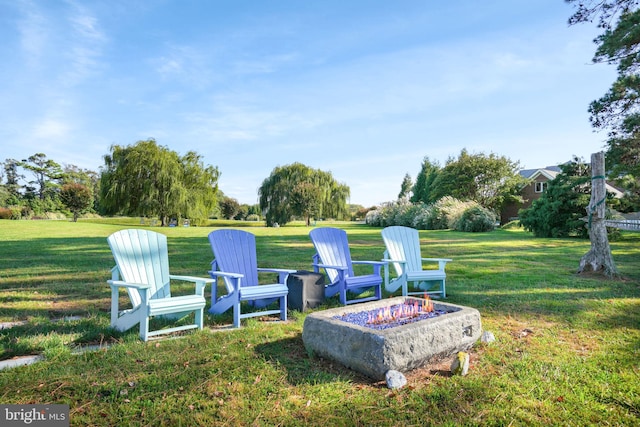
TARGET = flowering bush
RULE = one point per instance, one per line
(446, 213)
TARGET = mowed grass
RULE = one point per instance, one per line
(567, 349)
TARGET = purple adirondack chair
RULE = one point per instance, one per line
(235, 261)
(333, 254)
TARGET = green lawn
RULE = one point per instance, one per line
(567, 349)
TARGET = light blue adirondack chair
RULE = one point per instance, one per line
(403, 253)
(333, 254)
(235, 260)
(142, 268)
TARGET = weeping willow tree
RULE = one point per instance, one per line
(298, 190)
(149, 180)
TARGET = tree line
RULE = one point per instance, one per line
(149, 180)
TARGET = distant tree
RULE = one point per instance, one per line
(306, 200)
(146, 179)
(12, 183)
(86, 177)
(277, 194)
(405, 188)
(243, 212)
(423, 188)
(201, 184)
(229, 207)
(47, 175)
(560, 209)
(489, 180)
(78, 198)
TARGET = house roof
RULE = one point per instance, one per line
(550, 172)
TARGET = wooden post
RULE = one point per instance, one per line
(598, 259)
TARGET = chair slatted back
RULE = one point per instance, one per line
(235, 252)
(332, 247)
(142, 257)
(403, 244)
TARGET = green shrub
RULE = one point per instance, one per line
(441, 215)
(476, 219)
(447, 211)
(5, 213)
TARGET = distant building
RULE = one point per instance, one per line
(539, 179)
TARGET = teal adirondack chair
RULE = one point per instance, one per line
(403, 253)
(142, 268)
(334, 256)
(235, 260)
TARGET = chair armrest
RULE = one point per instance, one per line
(228, 277)
(283, 273)
(275, 270)
(369, 262)
(121, 284)
(442, 262)
(399, 261)
(335, 267)
(200, 282)
(377, 265)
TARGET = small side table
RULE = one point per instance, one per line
(306, 290)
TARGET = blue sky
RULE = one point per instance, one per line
(364, 89)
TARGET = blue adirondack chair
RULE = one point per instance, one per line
(333, 254)
(403, 253)
(142, 268)
(235, 261)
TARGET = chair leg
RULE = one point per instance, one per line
(199, 318)
(236, 315)
(283, 308)
(144, 328)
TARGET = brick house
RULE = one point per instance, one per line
(530, 192)
(533, 191)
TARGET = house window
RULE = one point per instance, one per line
(540, 186)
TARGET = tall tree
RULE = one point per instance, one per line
(405, 188)
(618, 111)
(491, 180)
(599, 258)
(277, 192)
(47, 175)
(12, 181)
(423, 188)
(150, 180)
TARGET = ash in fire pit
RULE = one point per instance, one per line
(408, 311)
(402, 347)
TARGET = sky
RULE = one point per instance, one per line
(364, 89)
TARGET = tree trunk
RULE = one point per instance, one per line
(598, 259)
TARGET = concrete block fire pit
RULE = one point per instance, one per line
(402, 348)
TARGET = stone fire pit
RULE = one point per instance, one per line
(401, 348)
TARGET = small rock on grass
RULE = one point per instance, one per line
(460, 364)
(395, 379)
(487, 337)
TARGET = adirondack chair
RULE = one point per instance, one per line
(403, 253)
(235, 261)
(142, 268)
(333, 254)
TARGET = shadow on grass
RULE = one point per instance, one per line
(290, 354)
